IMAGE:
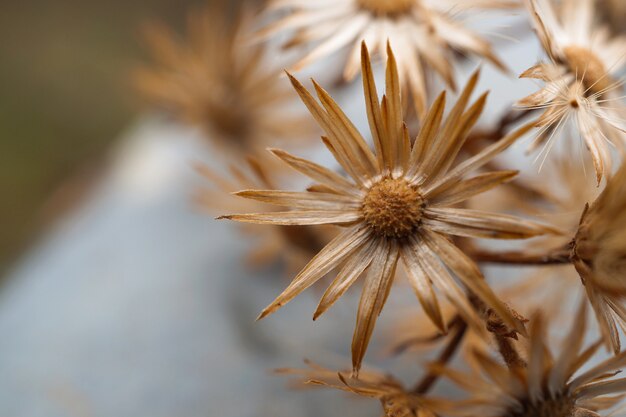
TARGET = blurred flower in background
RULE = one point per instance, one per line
(214, 80)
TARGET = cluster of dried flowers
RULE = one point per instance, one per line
(417, 198)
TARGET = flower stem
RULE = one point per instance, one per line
(426, 383)
(510, 355)
(555, 257)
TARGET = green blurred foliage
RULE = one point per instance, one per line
(65, 93)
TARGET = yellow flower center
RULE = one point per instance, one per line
(588, 68)
(387, 7)
(393, 208)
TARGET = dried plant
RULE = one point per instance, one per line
(395, 400)
(581, 79)
(419, 201)
(599, 255)
(399, 203)
(545, 386)
(424, 33)
(211, 80)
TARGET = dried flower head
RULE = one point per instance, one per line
(213, 81)
(399, 203)
(424, 33)
(614, 11)
(292, 246)
(581, 81)
(547, 386)
(599, 254)
(396, 401)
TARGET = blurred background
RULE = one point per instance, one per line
(66, 94)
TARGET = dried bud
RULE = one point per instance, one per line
(599, 248)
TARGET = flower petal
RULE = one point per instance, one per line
(467, 271)
(469, 188)
(373, 296)
(477, 161)
(422, 255)
(427, 134)
(297, 217)
(461, 222)
(317, 172)
(348, 275)
(374, 115)
(422, 286)
(328, 259)
(304, 200)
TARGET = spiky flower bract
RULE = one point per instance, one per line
(395, 400)
(213, 81)
(399, 202)
(550, 385)
(425, 35)
(582, 85)
(599, 253)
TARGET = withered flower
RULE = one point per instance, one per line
(292, 246)
(582, 82)
(424, 34)
(396, 401)
(400, 202)
(551, 385)
(614, 11)
(599, 254)
(213, 81)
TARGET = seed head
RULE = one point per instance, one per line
(588, 68)
(393, 208)
(387, 7)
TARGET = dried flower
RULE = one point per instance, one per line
(424, 33)
(399, 203)
(581, 81)
(396, 401)
(292, 246)
(615, 12)
(212, 81)
(547, 386)
(599, 253)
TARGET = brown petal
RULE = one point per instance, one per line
(457, 137)
(348, 275)
(427, 134)
(304, 200)
(613, 363)
(333, 254)
(394, 120)
(615, 386)
(423, 288)
(348, 135)
(495, 225)
(375, 291)
(443, 148)
(317, 172)
(374, 115)
(297, 217)
(477, 161)
(421, 254)
(323, 119)
(467, 271)
(559, 375)
(469, 188)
